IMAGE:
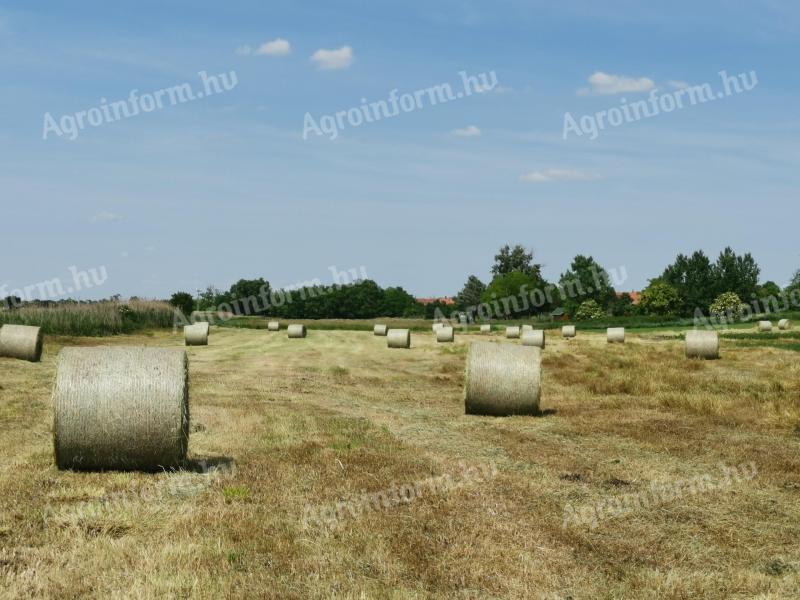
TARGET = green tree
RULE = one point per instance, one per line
(513, 259)
(470, 294)
(623, 306)
(768, 290)
(737, 274)
(183, 301)
(397, 303)
(586, 280)
(589, 310)
(249, 296)
(794, 284)
(728, 304)
(694, 279)
(211, 298)
(508, 295)
(660, 298)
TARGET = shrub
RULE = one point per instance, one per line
(589, 310)
(660, 298)
(727, 305)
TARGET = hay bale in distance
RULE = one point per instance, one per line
(380, 330)
(527, 328)
(121, 408)
(533, 337)
(21, 341)
(702, 344)
(765, 325)
(398, 338)
(437, 327)
(274, 326)
(296, 331)
(512, 332)
(486, 328)
(197, 334)
(568, 331)
(616, 335)
(502, 380)
(784, 324)
(445, 334)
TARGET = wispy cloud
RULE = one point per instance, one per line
(605, 84)
(105, 216)
(676, 84)
(469, 131)
(340, 58)
(550, 175)
(277, 47)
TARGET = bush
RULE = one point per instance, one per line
(589, 310)
(660, 298)
(728, 305)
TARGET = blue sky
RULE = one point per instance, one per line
(224, 187)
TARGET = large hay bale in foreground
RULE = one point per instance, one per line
(197, 334)
(502, 380)
(513, 332)
(445, 334)
(296, 331)
(486, 328)
(274, 326)
(568, 331)
(398, 338)
(121, 408)
(702, 344)
(784, 324)
(21, 341)
(533, 337)
(765, 325)
(381, 330)
(616, 335)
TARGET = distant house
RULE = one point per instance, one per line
(635, 296)
(559, 314)
(444, 300)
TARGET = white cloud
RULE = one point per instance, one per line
(604, 84)
(549, 175)
(678, 85)
(244, 50)
(340, 58)
(277, 47)
(105, 216)
(469, 131)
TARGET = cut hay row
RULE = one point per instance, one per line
(445, 334)
(197, 334)
(533, 337)
(702, 344)
(274, 326)
(23, 342)
(615, 335)
(398, 338)
(121, 408)
(502, 380)
(296, 331)
(381, 330)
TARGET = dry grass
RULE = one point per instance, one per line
(316, 422)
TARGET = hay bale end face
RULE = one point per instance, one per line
(502, 380)
(121, 408)
(197, 334)
(616, 335)
(486, 329)
(381, 330)
(765, 325)
(398, 338)
(296, 331)
(274, 326)
(784, 324)
(533, 337)
(702, 344)
(568, 331)
(445, 334)
(513, 332)
(21, 341)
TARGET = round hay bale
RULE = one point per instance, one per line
(568, 331)
(784, 324)
(445, 334)
(486, 329)
(274, 326)
(296, 331)
(527, 328)
(380, 330)
(121, 408)
(197, 334)
(399, 338)
(702, 344)
(502, 380)
(616, 335)
(533, 337)
(21, 341)
(765, 325)
(512, 332)
(437, 327)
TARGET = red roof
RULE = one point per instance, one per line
(445, 300)
(635, 296)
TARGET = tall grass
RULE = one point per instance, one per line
(93, 319)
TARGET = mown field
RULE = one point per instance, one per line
(290, 428)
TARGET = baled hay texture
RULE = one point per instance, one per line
(445, 334)
(196, 335)
(21, 341)
(399, 338)
(274, 326)
(502, 380)
(568, 331)
(297, 331)
(486, 328)
(527, 328)
(784, 324)
(121, 408)
(437, 327)
(616, 335)
(533, 337)
(765, 325)
(380, 329)
(702, 344)
(512, 332)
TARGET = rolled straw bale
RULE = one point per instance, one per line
(399, 338)
(784, 324)
(512, 332)
(437, 327)
(380, 330)
(486, 328)
(296, 331)
(445, 334)
(616, 335)
(527, 328)
(568, 331)
(274, 326)
(765, 325)
(533, 337)
(21, 341)
(121, 408)
(197, 334)
(502, 379)
(702, 344)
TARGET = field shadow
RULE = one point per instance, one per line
(209, 464)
